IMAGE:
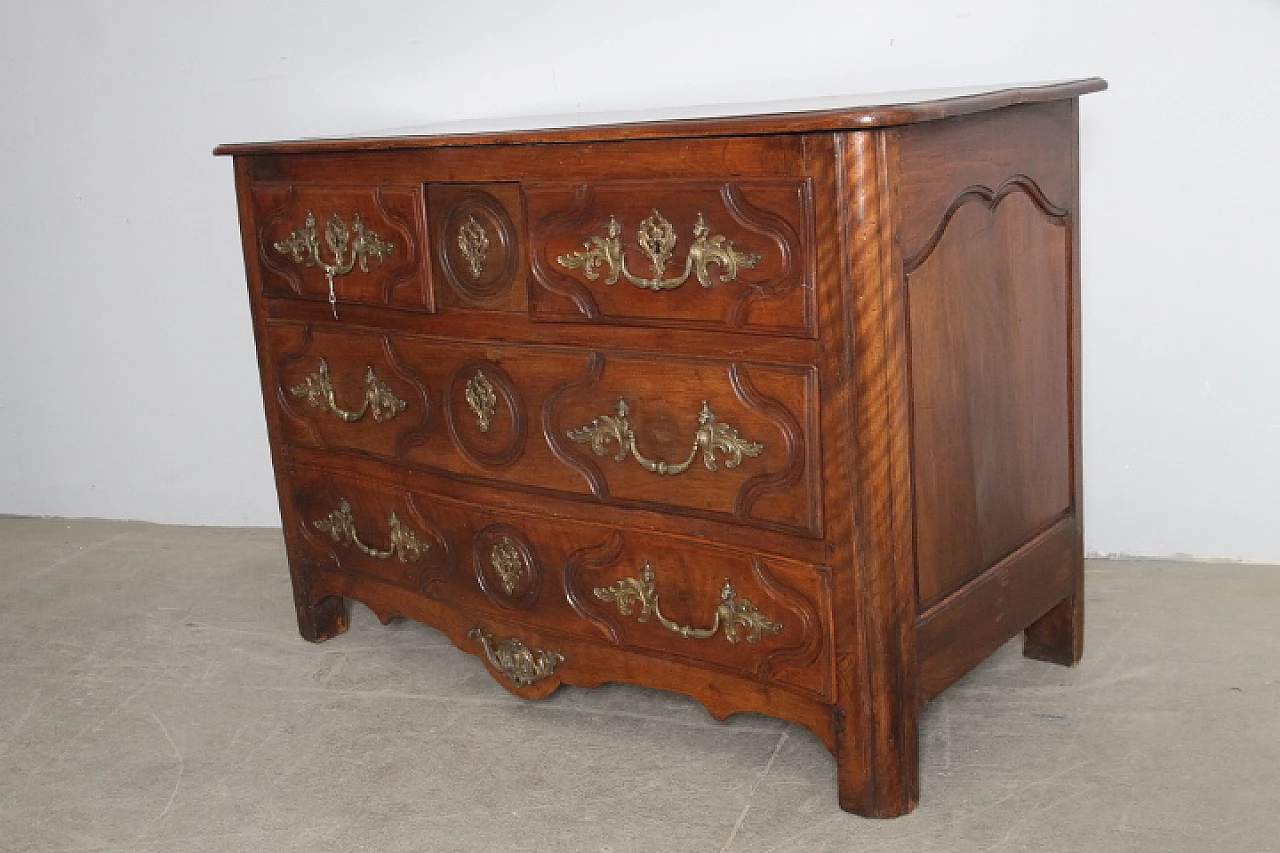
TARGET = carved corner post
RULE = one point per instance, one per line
(1058, 636)
(327, 618)
(866, 403)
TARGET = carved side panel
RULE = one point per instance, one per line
(988, 296)
(716, 255)
(371, 235)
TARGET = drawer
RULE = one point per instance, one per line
(478, 250)
(716, 438)
(754, 616)
(717, 255)
(367, 240)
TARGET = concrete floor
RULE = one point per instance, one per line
(156, 697)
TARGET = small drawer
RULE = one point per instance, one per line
(717, 255)
(755, 616)
(478, 256)
(367, 241)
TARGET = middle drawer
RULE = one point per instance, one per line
(717, 438)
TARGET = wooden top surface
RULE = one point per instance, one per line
(805, 115)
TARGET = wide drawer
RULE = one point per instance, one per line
(724, 439)
(365, 240)
(753, 615)
(712, 254)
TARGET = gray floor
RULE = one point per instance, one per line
(156, 697)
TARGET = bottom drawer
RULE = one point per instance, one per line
(716, 607)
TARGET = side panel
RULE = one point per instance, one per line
(987, 238)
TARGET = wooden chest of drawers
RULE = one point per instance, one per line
(780, 411)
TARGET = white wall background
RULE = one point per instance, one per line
(128, 385)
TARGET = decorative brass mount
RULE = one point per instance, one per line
(517, 661)
(506, 560)
(341, 525)
(710, 437)
(474, 244)
(318, 389)
(732, 613)
(303, 245)
(657, 239)
(482, 399)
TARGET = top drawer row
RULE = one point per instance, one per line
(720, 255)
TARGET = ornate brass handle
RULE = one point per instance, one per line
(710, 437)
(303, 245)
(657, 239)
(517, 661)
(341, 525)
(732, 613)
(318, 389)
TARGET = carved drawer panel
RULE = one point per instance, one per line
(358, 528)
(712, 254)
(469, 409)
(477, 254)
(367, 242)
(733, 438)
(746, 613)
(715, 438)
(751, 615)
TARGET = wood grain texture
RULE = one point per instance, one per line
(497, 283)
(455, 568)
(992, 445)
(791, 117)
(564, 390)
(393, 214)
(900, 371)
(877, 764)
(958, 632)
(770, 219)
(1058, 636)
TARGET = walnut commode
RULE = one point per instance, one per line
(778, 410)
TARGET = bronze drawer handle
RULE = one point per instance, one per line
(657, 239)
(303, 245)
(340, 524)
(732, 613)
(710, 437)
(517, 661)
(318, 389)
